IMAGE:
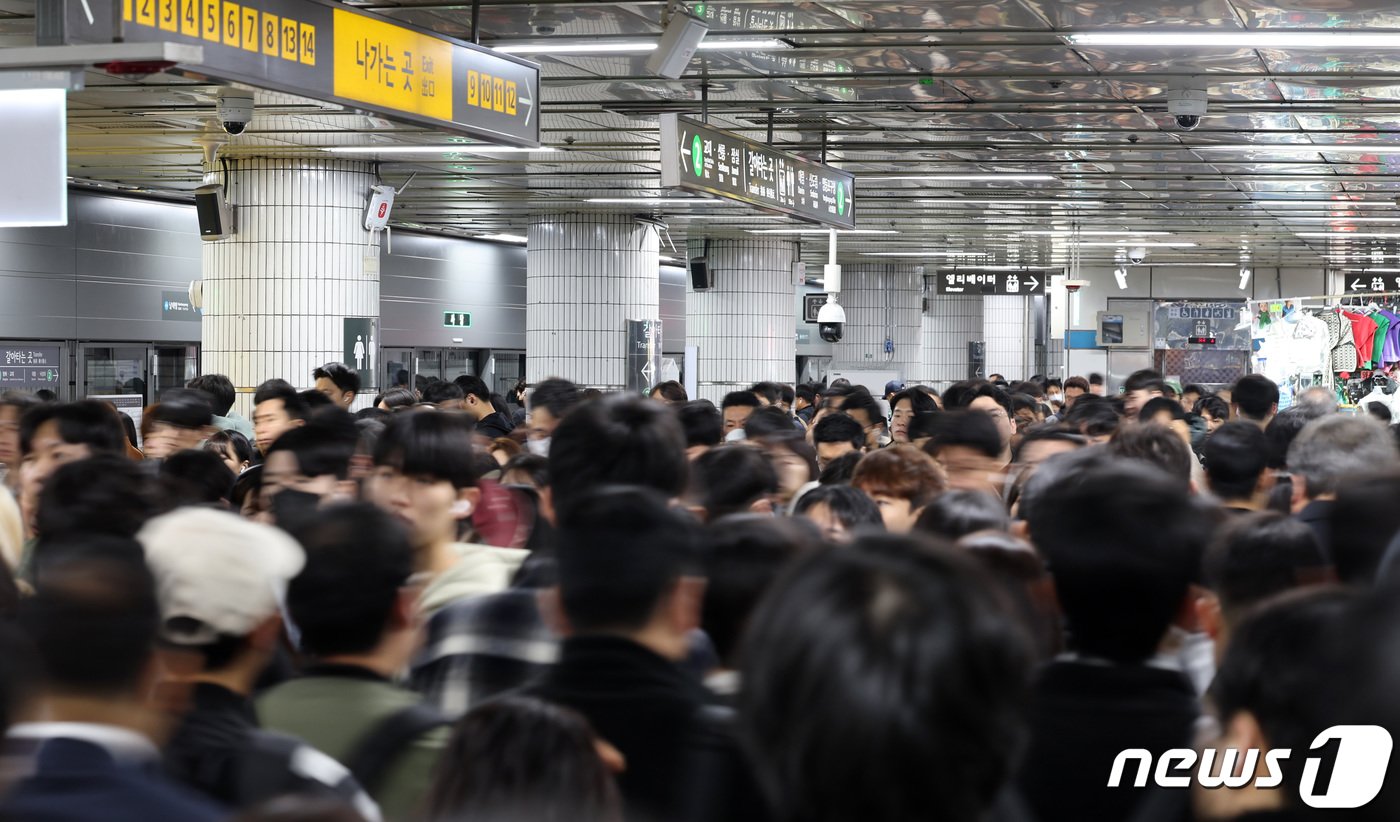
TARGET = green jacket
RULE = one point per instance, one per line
(333, 708)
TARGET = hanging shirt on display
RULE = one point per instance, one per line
(1390, 352)
(1343, 342)
(1364, 329)
(1382, 331)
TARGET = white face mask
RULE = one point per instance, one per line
(539, 448)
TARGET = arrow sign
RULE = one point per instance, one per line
(1034, 283)
(649, 370)
(1357, 285)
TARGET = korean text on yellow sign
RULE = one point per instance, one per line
(385, 65)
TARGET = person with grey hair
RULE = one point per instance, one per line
(1326, 451)
(1319, 399)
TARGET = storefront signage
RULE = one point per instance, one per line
(1022, 283)
(328, 51)
(696, 157)
(30, 367)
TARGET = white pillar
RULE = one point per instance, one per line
(586, 276)
(1006, 327)
(882, 302)
(277, 292)
(745, 328)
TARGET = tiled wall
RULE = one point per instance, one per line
(1005, 327)
(881, 302)
(744, 327)
(949, 324)
(277, 291)
(586, 276)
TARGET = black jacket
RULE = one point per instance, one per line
(1082, 716)
(494, 425)
(1317, 515)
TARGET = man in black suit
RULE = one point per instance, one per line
(1122, 541)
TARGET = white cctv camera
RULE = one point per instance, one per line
(831, 320)
(235, 109)
(1136, 255)
(1187, 103)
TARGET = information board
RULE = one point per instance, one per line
(643, 354)
(1023, 283)
(331, 52)
(696, 157)
(1371, 283)
(30, 367)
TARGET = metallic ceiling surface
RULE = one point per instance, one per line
(1295, 152)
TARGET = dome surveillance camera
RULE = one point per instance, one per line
(235, 109)
(1137, 255)
(831, 321)
(1187, 122)
(1187, 103)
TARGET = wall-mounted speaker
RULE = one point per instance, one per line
(702, 277)
(215, 215)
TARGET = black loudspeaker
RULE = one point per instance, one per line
(215, 216)
(701, 277)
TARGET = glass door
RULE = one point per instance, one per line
(175, 366)
(397, 365)
(114, 370)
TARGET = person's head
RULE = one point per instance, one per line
(1251, 559)
(54, 434)
(805, 396)
(1163, 411)
(988, 400)
(840, 512)
(475, 396)
(968, 445)
(617, 440)
(526, 469)
(220, 580)
(182, 419)
(1096, 384)
(840, 470)
(1236, 465)
(425, 475)
(899, 650)
(1075, 387)
(1093, 417)
(768, 392)
(338, 382)
(836, 435)
(395, 398)
(794, 459)
(1121, 539)
(1140, 387)
(628, 566)
(1255, 398)
(1319, 399)
(449, 396)
(514, 759)
(313, 459)
(904, 407)
(351, 597)
(219, 389)
(954, 514)
(1025, 412)
(1365, 520)
(277, 409)
(13, 404)
(742, 556)
(863, 408)
(1284, 428)
(233, 448)
(703, 425)
(195, 478)
(1158, 445)
(1215, 412)
(901, 480)
(736, 408)
(1334, 447)
(767, 420)
(104, 494)
(550, 402)
(1190, 395)
(732, 479)
(1043, 442)
(669, 392)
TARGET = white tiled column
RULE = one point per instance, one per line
(277, 291)
(882, 302)
(1006, 327)
(586, 276)
(950, 323)
(744, 328)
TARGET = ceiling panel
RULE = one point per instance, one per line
(937, 15)
(1319, 14)
(983, 90)
(1136, 13)
(1205, 61)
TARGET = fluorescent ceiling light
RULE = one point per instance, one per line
(822, 231)
(969, 201)
(502, 238)
(960, 178)
(1026, 267)
(665, 259)
(1188, 265)
(642, 47)
(1124, 244)
(1377, 270)
(1064, 232)
(1348, 235)
(1327, 203)
(1242, 39)
(926, 253)
(464, 148)
(1336, 219)
(1333, 148)
(651, 201)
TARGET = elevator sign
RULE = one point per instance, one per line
(695, 157)
(1028, 282)
(320, 49)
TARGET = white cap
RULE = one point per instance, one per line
(217, 574)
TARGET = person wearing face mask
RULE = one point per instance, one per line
(309, 467)
(425, 476)
(551, 400)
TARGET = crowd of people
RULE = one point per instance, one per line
(810, 603)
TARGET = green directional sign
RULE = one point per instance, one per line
(456, 319)
(697, 156)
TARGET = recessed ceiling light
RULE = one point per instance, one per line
(464, 148)
(1242, 39)
(960, 178)
(1327, 203)
(1377, 270)
(1064, 232)
(925, 253)
(640, 46)
(969, 201)
(1347, 235)
(822, 231)
(1124, 243)
(1331, 148)
(503, 238)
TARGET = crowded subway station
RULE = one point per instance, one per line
(663, 411)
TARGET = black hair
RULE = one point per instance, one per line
(292, 401)
(533, 464)
(469, 384)
(808, 392)
(373, 414)
(1235, 457)
(955, 514)
(620, 549)
(921, 402)
(248, 482)
(1145, 380)
(183, 408)
(218, 388)
(702, 422)
(1284, 428)
(86, 422)
(728, 479)
(1364, 520)
(557, 396)
(441, 392)
(397, 397)
(1213, 405)
(344, 378)
(1380, 411)
(1055, 382)
(770, 391)
(515, 758)
(1021, 401)
(897, 649)
(1255, 395)
(104, 494)
(357, 560)
(93, 624)
(852, 507)
(231, 443)
(965, 428)
(1080, 383)
(768, 420)
(1157, 444)
(861, 400)
(618, 439)
(840, 470)
(1117, 603)
(1092, 416)
(1096, 379)
(839, 427)
(1157, 405)
(1046, 433)
(324, 445)
(314, 400)
(1257, 556)
(786, 394)
(670, 391)
(430, 444)
(922, 426)
(1192, 388)
(742, 556)
(962, 394)
(193, 477)
(740, 399)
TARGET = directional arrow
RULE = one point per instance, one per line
(1034, 283)
(528, 101)
(685, 146)
(649, 370)
(1357, 285)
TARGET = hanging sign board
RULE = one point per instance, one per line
(1371, 283)
(330, 52)
(1024, 283)
(696, 157)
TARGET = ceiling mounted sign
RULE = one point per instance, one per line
(327, 51)
(696, 157)
(1029, 282)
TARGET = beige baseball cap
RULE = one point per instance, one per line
(217, 574)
